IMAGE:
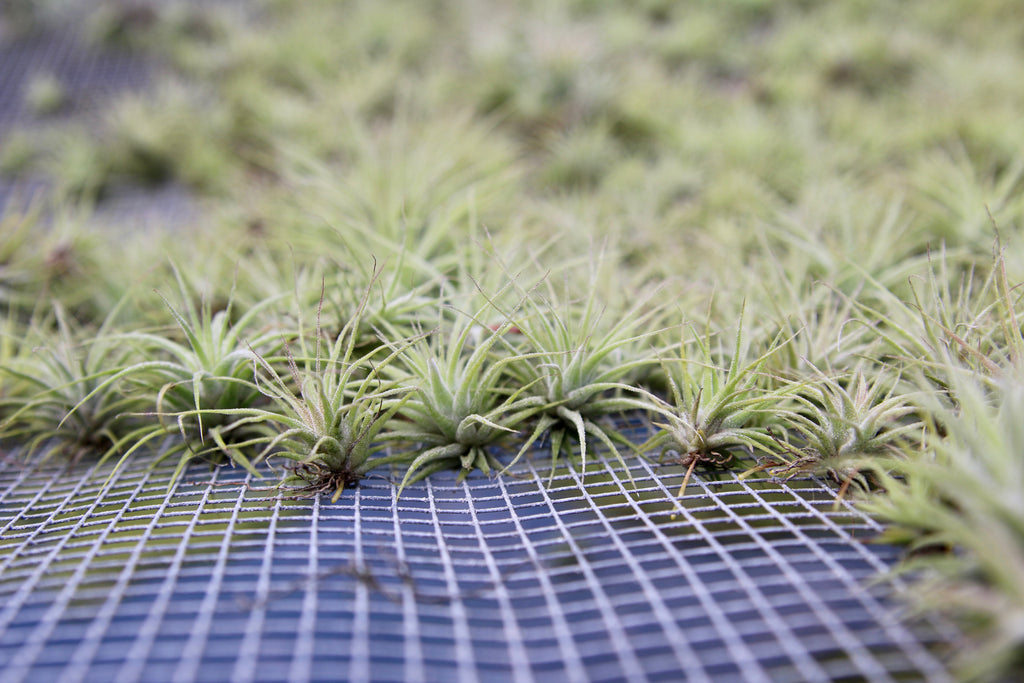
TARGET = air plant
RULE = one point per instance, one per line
(31, 259)
(46, 252)
(721, 401)
(960, 197)
(45, 95)
(14, 348)
(578, 362)
(173, 133)
(814, 314)
(970, 316)
(462, 404)
(849, 239)
(72, 392)
(822, 333)
(408, 191)
(18, 258)
(958, 501)
(325, 415)
(844, 421)
(398, 299)
(208, 372)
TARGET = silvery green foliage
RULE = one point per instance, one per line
(962, 491)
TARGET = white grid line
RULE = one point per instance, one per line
(678, 598)
(359, 647)
(464, 661)
(301, 670)
(860, 656)
(883, 617)
(785, 636)
(750, 667)
(197, 642)
(38, 529)
(809, 669)
(137, 657)
(571, 657)
(518, 657)
(78, 663)
(412, 649)
(249, 650)
(36, 641)
(631, 668)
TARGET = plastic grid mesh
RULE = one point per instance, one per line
(591, 577)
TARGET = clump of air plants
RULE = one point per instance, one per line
(721, 400)
(953, 494)
(869, 247)
(463, 403)
(172, 134)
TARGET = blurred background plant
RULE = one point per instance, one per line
(963, 493)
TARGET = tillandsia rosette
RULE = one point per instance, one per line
(464, 402)
(720, 400)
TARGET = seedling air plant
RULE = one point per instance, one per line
(964, 312)
(325, 416)
(14, 349)
(72, 391)
(844, 420)
(462, 404)
(576, 361)
(396, 300)
(206, 374)
(720, 402)
(400, 297)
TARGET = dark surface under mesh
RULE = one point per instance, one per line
(590, 577)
